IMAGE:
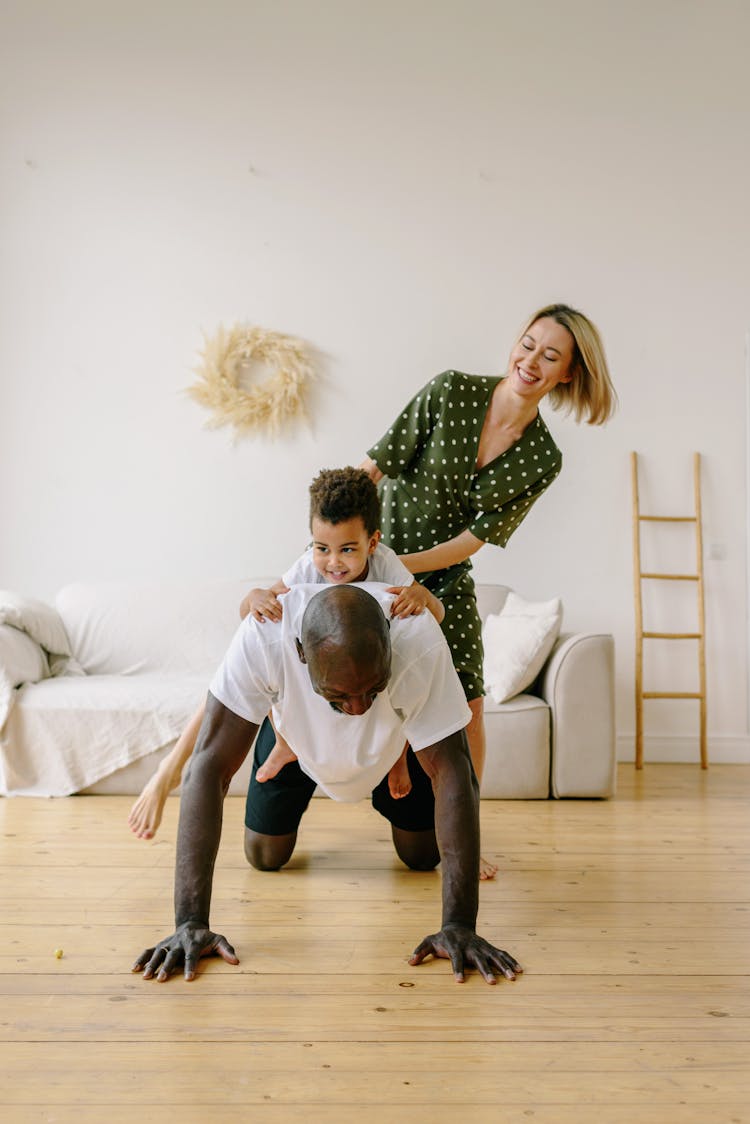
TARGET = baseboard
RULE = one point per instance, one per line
(659, 747)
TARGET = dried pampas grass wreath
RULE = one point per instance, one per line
(226, 388)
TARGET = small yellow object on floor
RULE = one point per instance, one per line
(58, 953)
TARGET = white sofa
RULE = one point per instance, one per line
(134, 661)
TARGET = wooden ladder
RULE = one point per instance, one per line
(640, 576)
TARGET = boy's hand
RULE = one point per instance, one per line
(262, 604)
(410, 600)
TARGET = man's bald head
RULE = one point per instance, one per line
(344, 615)
(345, 642)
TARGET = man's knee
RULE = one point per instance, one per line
(268, 852)
(417, 849)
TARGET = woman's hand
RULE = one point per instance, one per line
(371, 469)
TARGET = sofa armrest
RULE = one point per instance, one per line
(578, 684)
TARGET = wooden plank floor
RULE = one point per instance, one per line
(631, 917)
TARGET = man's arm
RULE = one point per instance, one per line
(448, 765)
(222, 746)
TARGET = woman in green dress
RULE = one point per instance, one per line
(465, 461)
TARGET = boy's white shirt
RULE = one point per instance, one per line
(347, 755)
(384, 565)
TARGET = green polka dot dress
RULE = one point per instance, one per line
(432, 492)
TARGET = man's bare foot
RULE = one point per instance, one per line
(279, 756)
(399, 781)
(486, 870)
(145, 815)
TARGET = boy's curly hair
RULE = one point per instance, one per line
(338, 494)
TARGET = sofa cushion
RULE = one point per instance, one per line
(64, 734)
(517, 765)
(166, 628)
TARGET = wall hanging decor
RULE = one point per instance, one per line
(252, 379)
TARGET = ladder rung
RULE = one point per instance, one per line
(672, 577)
(672, 695)
(672, 635)
(667, 518)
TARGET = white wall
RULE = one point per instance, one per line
(400, 184)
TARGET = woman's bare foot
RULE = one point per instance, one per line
(145, 815)
(279, 756)
(399, 781)
(486, 870)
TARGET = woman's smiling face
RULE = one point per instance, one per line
(542, 358)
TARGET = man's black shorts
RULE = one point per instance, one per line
(277, 806)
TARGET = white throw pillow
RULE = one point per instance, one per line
(517, 641)
(39, 620)
(21, 658)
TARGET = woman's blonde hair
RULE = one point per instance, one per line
(590, 394)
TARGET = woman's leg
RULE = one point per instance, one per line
(477, 749)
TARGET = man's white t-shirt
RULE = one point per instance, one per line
(383, 565)
(347, 755)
